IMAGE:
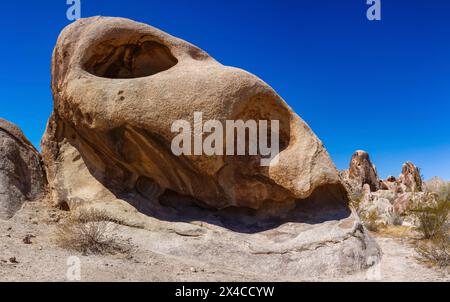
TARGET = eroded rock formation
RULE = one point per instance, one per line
(21, 174)
(393, 199)
(410, 178)
(119, 86)
(361, 172)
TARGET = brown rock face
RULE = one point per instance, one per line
(411, 178)
(21, 175)
(361, 172)
(119, 86)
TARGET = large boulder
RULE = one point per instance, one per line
(378, 205)
(21, 174)
(118, 88)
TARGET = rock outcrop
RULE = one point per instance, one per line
(377, 204)
(392, 200)
(119, 86)
(410, 179)
(361, 172)
(21, 174)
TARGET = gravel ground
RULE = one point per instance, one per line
(28, 252)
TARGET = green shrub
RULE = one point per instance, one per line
(433, 225)
(432, 220)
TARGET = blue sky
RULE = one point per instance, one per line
(381, 86)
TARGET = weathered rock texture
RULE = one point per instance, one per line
(361, 172)
(21, 175)
(411, 178)
(119, 85)
(392, 200)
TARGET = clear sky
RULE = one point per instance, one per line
(381, 86)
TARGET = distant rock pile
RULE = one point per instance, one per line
(21, 175)
(392, 199)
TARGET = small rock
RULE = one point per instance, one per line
(13, 260)
(27, 239)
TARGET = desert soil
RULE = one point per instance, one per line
(41, 259)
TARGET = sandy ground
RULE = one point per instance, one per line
(41, 259)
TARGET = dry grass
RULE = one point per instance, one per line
(355, 200)
(397, 231)
(90, 232)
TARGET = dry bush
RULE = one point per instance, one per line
(89, 232)
(356, 199)
(435, 251)
(370, 221)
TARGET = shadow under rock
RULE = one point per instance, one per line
(327, 203)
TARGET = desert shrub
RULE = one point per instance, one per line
(435, 251)
(433, 225)
(356, 199)
(432, 219)
(397, 220)
(370, 221)
(89, 232)
(444, 192)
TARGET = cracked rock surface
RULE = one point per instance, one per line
(21, 174)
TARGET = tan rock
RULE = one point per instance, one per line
(119, 85)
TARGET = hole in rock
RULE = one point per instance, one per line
(116, 60)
